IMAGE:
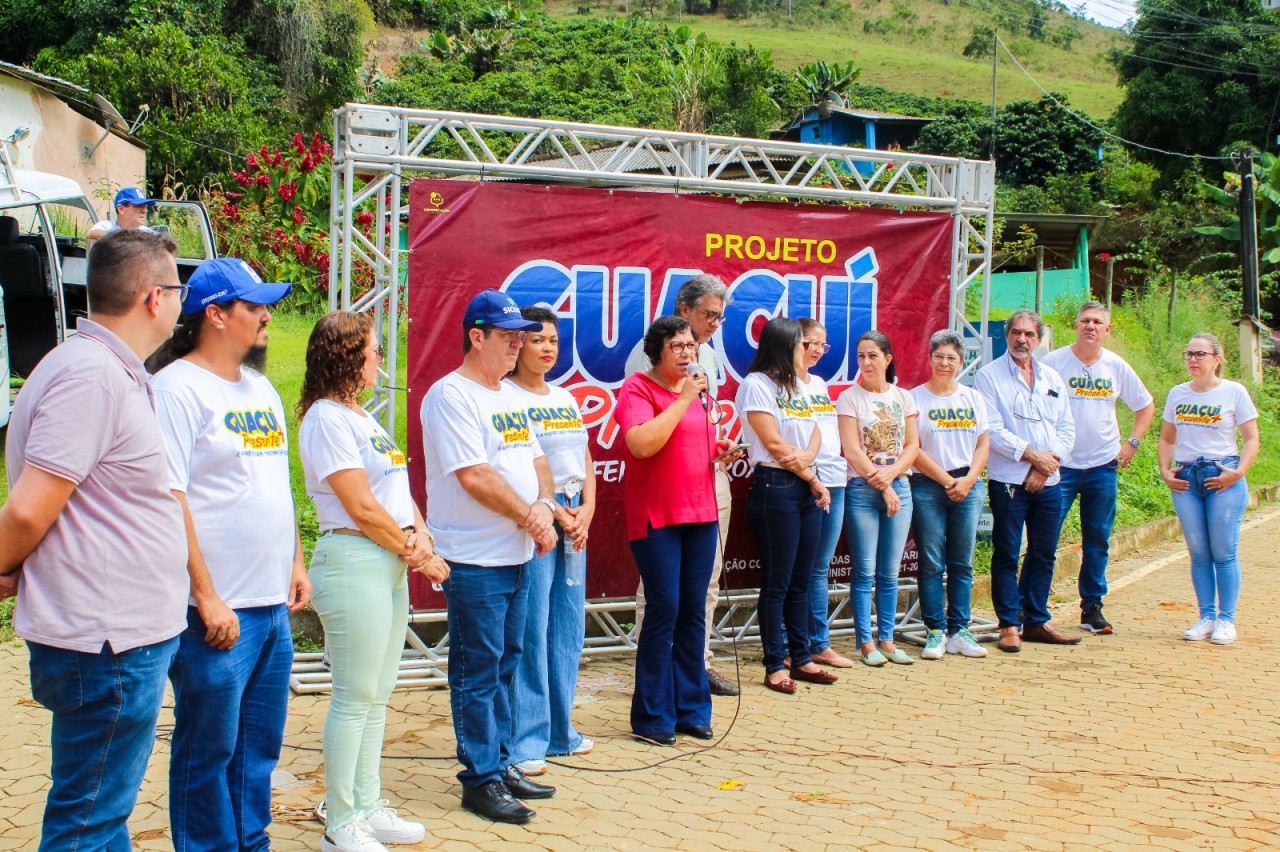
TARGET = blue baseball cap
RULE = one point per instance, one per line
(133, 195)
(498, 310)
(225, 278)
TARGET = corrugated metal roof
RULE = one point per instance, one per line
(27, 74)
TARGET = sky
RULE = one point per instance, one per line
(1109, 13)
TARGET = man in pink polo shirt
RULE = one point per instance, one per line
(92, 542)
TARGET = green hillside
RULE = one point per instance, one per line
(917, 46)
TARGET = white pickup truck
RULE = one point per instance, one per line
(43, 222)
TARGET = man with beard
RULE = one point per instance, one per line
(1031, 432)
(224, 431)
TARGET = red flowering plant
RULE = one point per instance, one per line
(274, 214)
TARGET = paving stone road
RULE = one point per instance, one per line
(1133, 740)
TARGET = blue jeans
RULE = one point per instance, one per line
(1013, 507)
(1210, 523)
(671, 677)
(1096, 487)
(787, 523)
(487, 611)
(104, 709)
(876, 542)
(229, 710)
(547, 676)
(820, 573)
(945, 535)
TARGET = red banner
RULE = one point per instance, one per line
(609, 261)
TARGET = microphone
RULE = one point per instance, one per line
(693, 368)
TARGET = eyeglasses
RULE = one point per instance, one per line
(713, 317)
(679, 348)
(823, 347)
(943, 358)
(183, 290)
(382, 353)
(1196, 355)
(509, 335)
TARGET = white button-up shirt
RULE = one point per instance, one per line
(1036, 416)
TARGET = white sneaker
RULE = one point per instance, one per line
(530, 768)
(355, 836)
(1224, 633)
(1201, 629)
(934, 645)
(966, 644)
(584, 747)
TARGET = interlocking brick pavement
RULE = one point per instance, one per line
(1133, 740)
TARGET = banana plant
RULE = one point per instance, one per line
(1267, 199)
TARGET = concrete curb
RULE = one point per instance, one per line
(1123, 543)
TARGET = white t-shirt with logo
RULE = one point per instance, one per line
(831, 463)
(466, 424)
(792, 414)
(1092, 390)
(556, 422)
(333, 437)
(950, 425)
(1206, 422)
(882, 421)
(228, 452)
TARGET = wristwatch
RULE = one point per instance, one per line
(548, 502)
(1133, 442)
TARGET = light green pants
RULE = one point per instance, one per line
(361, 593)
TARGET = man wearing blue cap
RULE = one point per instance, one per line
(131, 212)
(490, 506)
(228, 462)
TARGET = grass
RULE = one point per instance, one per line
(927, 59)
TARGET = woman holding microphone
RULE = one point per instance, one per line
(1204, 469)
(787, 500)
(671, 518)
(370, 530)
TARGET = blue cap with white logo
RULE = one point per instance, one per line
(133, 195)
(496, 310)
(225, 278)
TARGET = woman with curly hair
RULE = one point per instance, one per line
(370, 532)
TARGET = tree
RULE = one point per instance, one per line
(820, 78)
(1201, 74)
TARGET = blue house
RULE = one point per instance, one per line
(828, 124)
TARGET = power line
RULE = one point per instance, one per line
(1089, 123)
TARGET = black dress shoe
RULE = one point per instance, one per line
(523, 788)
(698, 732)
(720, 685)
(656, 739)
(494, 801)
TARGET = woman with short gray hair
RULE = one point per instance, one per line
(948, 495)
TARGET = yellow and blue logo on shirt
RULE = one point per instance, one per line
(562, 418)
(794, 407)
(960, 417)
(387, 447)
(1088, 387)
(260, 429)
(1197, 415)
(820, 403)
(513, 426)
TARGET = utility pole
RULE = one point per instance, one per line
(1249, 325)
(1040, 279)
(1111, 265)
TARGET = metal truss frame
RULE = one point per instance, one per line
(376, 149)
